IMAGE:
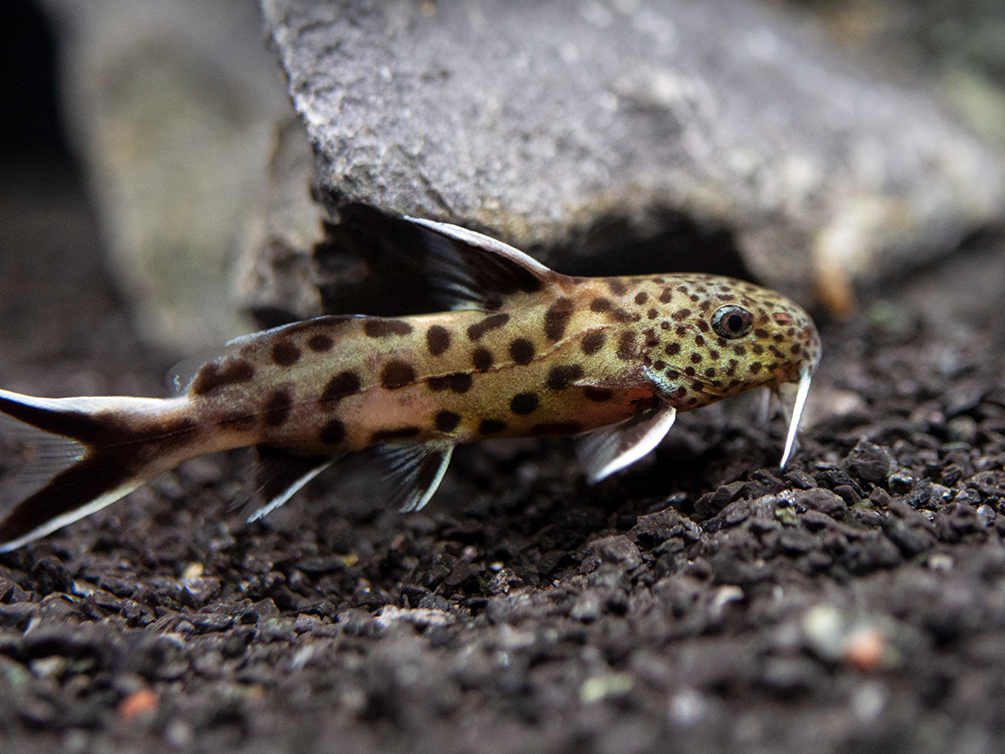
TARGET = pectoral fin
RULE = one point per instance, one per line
(609, 449)
(416, 471)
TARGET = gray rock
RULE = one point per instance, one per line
(586, 131)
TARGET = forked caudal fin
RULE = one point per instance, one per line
(81, 454)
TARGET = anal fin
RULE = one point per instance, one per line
(609, 449)
(416, 471)
(279, 474)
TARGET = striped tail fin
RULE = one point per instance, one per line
(81, 454)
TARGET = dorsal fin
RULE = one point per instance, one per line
(473, 271)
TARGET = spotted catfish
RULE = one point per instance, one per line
(525, 351)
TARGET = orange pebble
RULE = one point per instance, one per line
(137, 703)
(865, 649)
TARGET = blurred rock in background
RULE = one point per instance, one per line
(173, 106)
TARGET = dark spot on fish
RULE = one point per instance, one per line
(285, 354)
(556, 428)
(212, 376)
(478, 329)
(796, 348)
(559, 378)
(396, 375)
(482, 359)
(623, 315)
(333, 432)
(710, 372)
(680, 314)
(437, 339)
(757, 349)
(665, 296)
(459, 382)
(695, 358)
(617, 287)
(739, 350)
(671, 349)
(652, 314)
(755, 367)
(690, 372)
(320, 343)
(600, 304)
(521, 351)
(660, 365)
(597, 394)
(491, 426)
(338, 387)
(557, 318)
(703, 325)
(524, 403)
(277, 407)
(760, 333)
(626, 345)
(447, 421)
(593, 341)
(664, 325)
(641, 297)
(679, 392)
(698, 340)
(405, 433)
(382, 328)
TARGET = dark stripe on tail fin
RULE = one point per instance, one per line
(119, 444)
(76, 425)
(66, 498)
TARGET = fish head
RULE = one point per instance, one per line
(721, 337)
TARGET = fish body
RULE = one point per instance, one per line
(526, 352)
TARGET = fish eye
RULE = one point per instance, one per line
(732, 321)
